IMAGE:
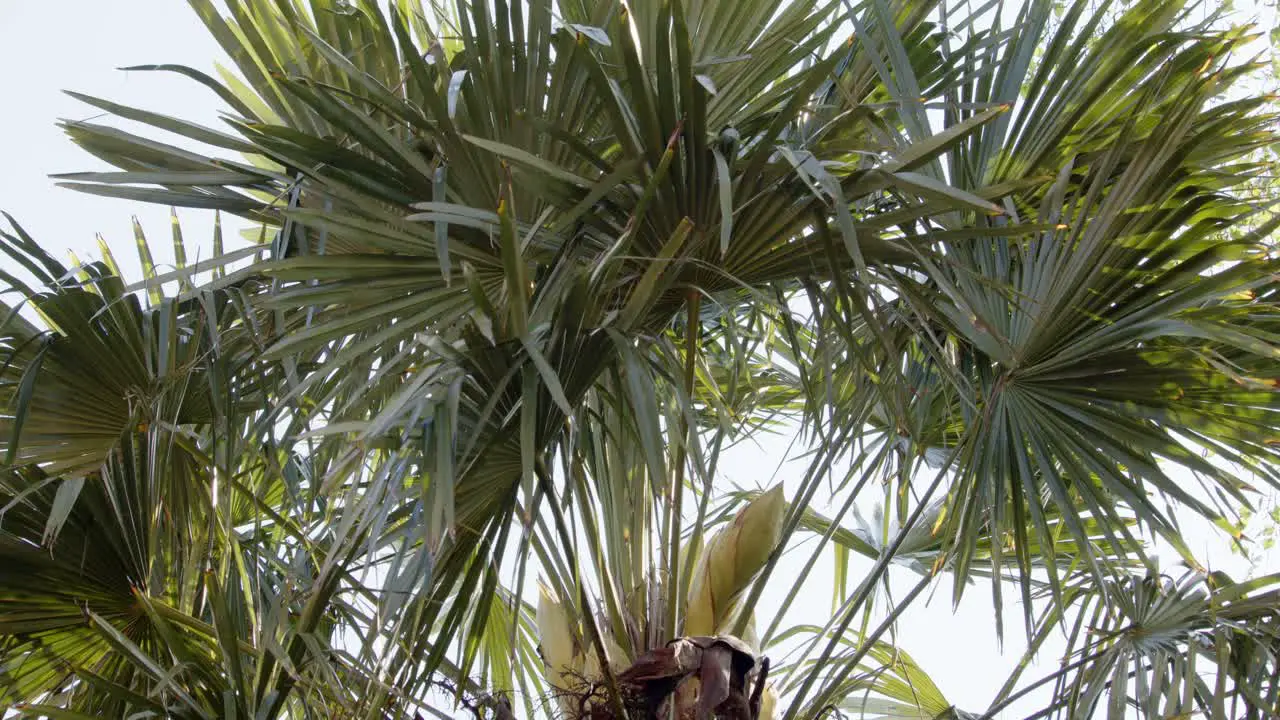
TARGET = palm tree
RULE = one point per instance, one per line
(527, 271)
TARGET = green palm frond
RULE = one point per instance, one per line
(1157, 647)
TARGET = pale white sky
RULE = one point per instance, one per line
(50, 45)
(47, 46)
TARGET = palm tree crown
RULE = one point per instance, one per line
(446, 436)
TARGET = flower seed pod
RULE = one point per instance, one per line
(768, 703)
(730, 562)
(556, 633)
(571, 665)
(617, 657)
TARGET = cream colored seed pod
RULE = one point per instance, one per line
(556, 633)
(570, 664)
(731, 560)
(768, 703)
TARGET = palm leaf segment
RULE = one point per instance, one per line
(105, 471)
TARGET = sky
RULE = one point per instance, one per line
(50, 45)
